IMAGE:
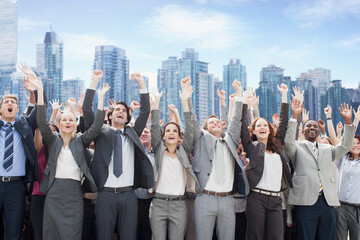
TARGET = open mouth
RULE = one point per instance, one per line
(120, 117)
(10, 109)
(171, 138)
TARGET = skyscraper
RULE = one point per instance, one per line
(115, 66)
(267, 98)
(321, 81)
(133, 92)
(205, 95)
(73, 88)
(334, 96)
(234, 70)
(8, 43)
(216, 101)
(49, 60)
(305, 82)
(170, 75)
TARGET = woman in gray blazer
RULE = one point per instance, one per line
(172, 172)
(268, 171)
(64, 206)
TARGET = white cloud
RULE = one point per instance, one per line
(152, 78)
(82, 46)
(226, 2)
(350, 42)
(312, 13)
(196, 27)
(26, 24)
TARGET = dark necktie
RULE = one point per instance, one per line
(118, 154)
(9, 151)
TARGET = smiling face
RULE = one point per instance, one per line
(119, 116)
(311, 130)
(355, 151)
(67, 123)
(214, 126)
(261, 130)
(145, 137)
(9, 108)
(171, 134)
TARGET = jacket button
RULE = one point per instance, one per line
(208, 174)
(210, 160)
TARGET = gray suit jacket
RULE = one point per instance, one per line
(182, 151)
(309, 172)
(205, 146)
(77, 145)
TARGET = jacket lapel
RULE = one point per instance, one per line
(310, 148)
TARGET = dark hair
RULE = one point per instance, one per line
(167, 124)
(54, 126)
(127, 112)
(12, 96)
(357, 136)
(272, 144)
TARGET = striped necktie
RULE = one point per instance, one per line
(9, 151)
(118, 154)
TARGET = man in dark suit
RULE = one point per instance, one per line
(18, 164)
(120, 165)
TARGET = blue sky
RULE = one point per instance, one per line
(296, 35)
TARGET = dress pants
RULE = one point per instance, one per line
(316, 221)
(264, 217)
(116, 211)
(168, 218)
(89, 225)
(209, 210)
(36, 215)
(347, 220)
(12, 207)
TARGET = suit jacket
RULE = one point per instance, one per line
(309, 172)
(182, 151)
(77, 146)
(205, 151)
(256, 150)
(104, 146)
(25, 125)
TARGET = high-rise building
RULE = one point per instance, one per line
(168, 82)
(234, 70)
(334, 96)
(205, 95)
(8, 43)
(49, 60)
(18, 89)
(305, 83)
(321, 81)
(73, 88)
(216, 100)
(115, 66)
(170, 75)
(270, 78)
(134, 92)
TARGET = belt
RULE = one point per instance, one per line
(117, 190)
(350, 204)
(267, 193)
(10, 179)
(170, 197)
(216, 194)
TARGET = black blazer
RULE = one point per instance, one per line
(255, 151)
(25, 125)
(104, 145)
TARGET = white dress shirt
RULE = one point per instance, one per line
(66, 167)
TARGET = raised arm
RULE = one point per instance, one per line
(43, 125)
(95, 129)
(284, 114)
(234, 129)
(188, 141)
(175, 114)
(155, 129)
(142, 118)
(347, 140)
(254, 102)
(330, 125)
(290, 145)
(356, 117)
(87, 107)
(55, 109)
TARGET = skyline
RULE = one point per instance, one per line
(294, 35)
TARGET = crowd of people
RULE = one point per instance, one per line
(235, 176)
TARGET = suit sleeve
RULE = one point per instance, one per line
(235, 122)
(44, 127)
(346, 142)
(88, 112)
(284, 118)
(188, 141)
(290, 144)
(95, 128)
(245, 135)
(141, 120)
(196, 126)
(155, 130)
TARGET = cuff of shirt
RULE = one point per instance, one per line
(31, 104)
(293, 120)
(238, 99)
(143, 91)
(92, 89)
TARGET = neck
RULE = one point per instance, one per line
(66, 138)
(117, 126)
(264, 141)
(217, 134)
(355, 156)
(171, 148)
(8, 119)
(148, 146)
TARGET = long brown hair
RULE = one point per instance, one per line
(272, 142)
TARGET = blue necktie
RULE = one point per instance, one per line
(118, 154)
(9, 151)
